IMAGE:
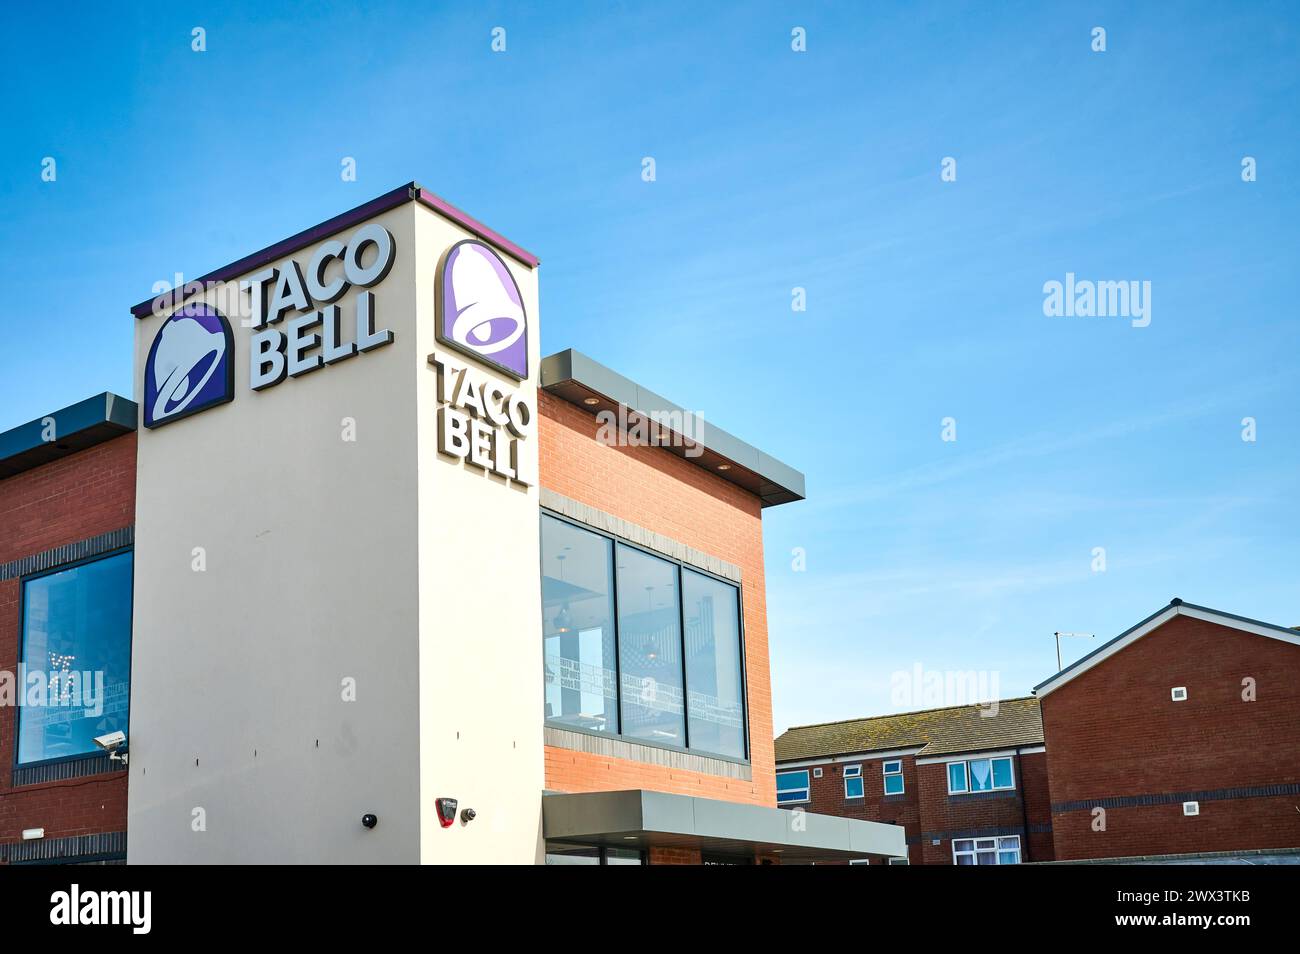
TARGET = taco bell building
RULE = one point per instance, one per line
(382, 584)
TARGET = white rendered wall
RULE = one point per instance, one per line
(311, 578)
(480, 612)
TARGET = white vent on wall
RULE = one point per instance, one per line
(1191, 808)
(817, 773)
(1179, 693)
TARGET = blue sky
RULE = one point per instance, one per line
(775, 169)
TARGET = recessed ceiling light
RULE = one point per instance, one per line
(590, 401)
(724, 467)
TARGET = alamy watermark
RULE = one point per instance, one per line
(1083, 298)
(921, 688)
(663, 428)
(59, 688)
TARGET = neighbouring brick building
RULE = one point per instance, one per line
(67, 501)
(1181, 735)
(967, 783)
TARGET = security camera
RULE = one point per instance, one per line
(110, 743)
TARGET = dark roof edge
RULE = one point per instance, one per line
(389, 200)
(569, 372)
(74, 428)
(1240, 619)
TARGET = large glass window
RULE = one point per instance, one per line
(649, 647)
(639, 645)
(76, 647)
(715, 704)
(578, 627)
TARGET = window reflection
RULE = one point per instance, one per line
(615, 652)
(713, 676)
(577, 627)
(77, 634)
(649, 640)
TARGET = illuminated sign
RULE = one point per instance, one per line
(191, 362)
(480, 310)
(333, 270)
(190, 367)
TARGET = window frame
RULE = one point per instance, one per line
(886, 775)
(22, 654)
(965, 775)
(612, 550)
(965, 764)
(854, 772)
(806, 788)
(997, 849)
(681, 622)
(602, 853)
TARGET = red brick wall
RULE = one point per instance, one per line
(80, 496)
(1038, 803)
(653, 488)
(1114, 731)
(674, 856)
(827, 795)
(1011, 812)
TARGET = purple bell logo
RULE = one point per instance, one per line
(480, 310)
(189, 368)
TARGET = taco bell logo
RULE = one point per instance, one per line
(189, 367)
(480, 310)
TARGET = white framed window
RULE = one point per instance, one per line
(981, 775)
(893, 776)
(817, 772)
(1002, 850)
(792, 787)
(1178, 693)
(899, 861)
(1191, 808)
(957, 781)
(859, 861)
(853, 787)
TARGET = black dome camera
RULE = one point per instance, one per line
(369, 821)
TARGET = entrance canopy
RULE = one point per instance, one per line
(642, 819)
